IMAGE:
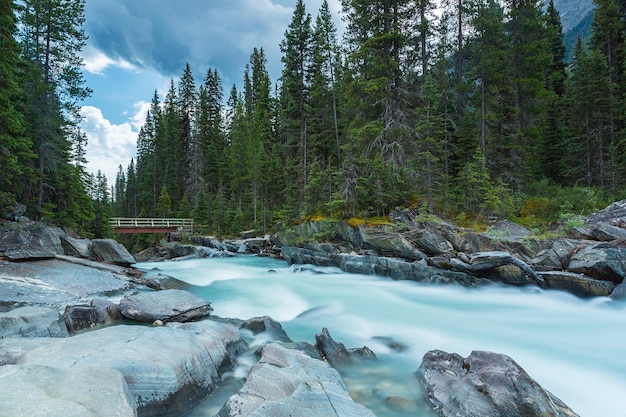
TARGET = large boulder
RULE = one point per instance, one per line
(393, 245)
(271, 329)
(604, 261)
(55, 283)
(43, 391)
(577, 284)
(17, 246)
(484, 384)
(76, 247)
(168, 369)
(431, 242)
(108, 250)
(286, 383)
(166, 305)
(32, 322)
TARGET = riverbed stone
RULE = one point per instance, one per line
(288, 383)
(484, 384)
(166, 305)
(32, 322)
(168, 369)
(98, 312)
(43, 391)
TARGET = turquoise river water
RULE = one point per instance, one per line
(574, 348)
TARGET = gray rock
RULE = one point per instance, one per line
(271, 328)
(42, 391)
(13, 349)
(168, 369)
(483, 263)
(166, 305)
(431, 242)
(484, 384)
(288, 383)
(335, 353)
(577, 284)
(393, 245)
(605, 232)
(614, 214)
(605, 262)
(619, 293)
(108, 250)
(55, 283)
(32, 322)
(76, 247)
(17, 247)
(86, 316)
(159, 281)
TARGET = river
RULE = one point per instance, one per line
(574, 348)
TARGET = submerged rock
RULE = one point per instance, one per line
(286, 383)
(485, 384)
(166, 305)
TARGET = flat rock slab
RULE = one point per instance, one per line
(168, 369)
(55, 283)
(484, 384)
(42, 391)
(32, 322)
(286, 383)
(165, 305)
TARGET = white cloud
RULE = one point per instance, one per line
(110, 145)
(96, 62)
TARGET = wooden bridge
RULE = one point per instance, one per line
(150, 225)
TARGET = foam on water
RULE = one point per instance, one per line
(572, 347)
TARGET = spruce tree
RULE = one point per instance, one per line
(15, 146)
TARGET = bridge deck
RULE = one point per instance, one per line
(150, 225)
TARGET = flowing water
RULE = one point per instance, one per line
(574, 348)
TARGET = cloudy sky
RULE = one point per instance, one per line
(136, 46)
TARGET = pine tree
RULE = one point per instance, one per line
(52, 36)
(15, 146)
(294, 103)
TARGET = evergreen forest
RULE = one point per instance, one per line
(42, 148)
(466, 109)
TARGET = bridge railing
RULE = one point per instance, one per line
(148, 222)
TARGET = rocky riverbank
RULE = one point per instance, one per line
(83, 333)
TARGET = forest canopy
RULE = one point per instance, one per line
(468, 110)
(463, 112)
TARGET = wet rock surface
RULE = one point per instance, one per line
(286, 382)
(168, 369)
(484, 384)
(166, 306)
